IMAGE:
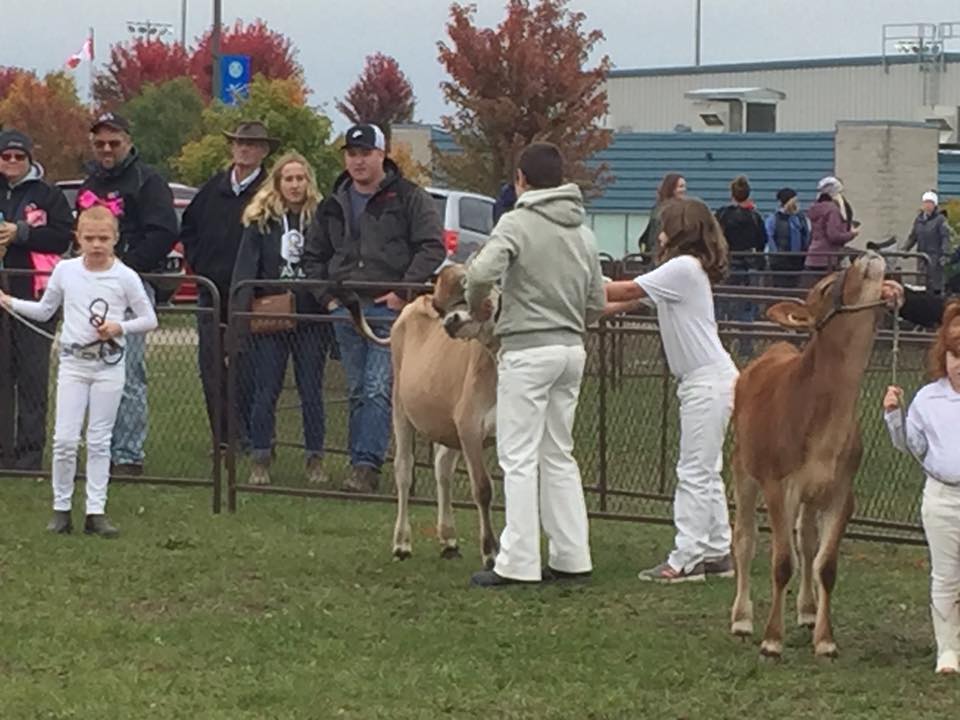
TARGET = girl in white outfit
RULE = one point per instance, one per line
(94, 290)
(930, 434)
(692, 256)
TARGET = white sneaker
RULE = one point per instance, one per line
(946, 628)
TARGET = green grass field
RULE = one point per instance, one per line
(292, 608)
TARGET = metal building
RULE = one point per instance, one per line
(915, 79)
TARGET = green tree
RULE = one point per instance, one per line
(281, 106)
(165, 117)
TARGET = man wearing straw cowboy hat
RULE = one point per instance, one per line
(210, 233)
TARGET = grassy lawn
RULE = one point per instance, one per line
(293, 609)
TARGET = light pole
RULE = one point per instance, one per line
(183, 23)
(696, 56)
(215, 48)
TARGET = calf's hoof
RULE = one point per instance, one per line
(742, 628)
(806, 620)
(402, 553)
(825, 649)
(772, 649)
(451, 552)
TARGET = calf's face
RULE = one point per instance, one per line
(450, 304)
(862, 284)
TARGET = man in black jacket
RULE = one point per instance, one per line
(210, 232)
(37, 225)
(148, 230)
(376, 226)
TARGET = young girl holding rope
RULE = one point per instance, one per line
(94, 290)
(927, 431)
(692, 256)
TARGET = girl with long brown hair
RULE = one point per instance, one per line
(692, 256)
(929, 434)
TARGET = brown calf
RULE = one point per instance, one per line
(798, 441)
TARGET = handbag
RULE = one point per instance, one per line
(281, 304)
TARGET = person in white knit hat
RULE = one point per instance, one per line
(931, 235)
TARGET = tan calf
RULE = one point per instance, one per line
(798, 441)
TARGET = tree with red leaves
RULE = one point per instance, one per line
(271, 54)
(8, 75)
(521, 82)
(133, 65)
(382, 95)
(51, 113)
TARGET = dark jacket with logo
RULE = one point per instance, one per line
(148, 225)
(44, 224)
(400, 238)
(260, 258)
(211, 230)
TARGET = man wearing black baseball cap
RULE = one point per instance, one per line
(375, 226)
(35, 229)
(148, 231)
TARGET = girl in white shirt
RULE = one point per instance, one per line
(94, 290)
(692, 256)
(930, 435)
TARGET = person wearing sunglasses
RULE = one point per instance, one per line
(143, 204)
(35, 230)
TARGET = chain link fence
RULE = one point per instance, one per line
(286, 394)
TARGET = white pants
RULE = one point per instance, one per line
(700, 503)
(941, 524)
(537, 393)
(84, 385)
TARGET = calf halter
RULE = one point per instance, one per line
(838, 308)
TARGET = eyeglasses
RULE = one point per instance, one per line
(13, 156)
(112, 144)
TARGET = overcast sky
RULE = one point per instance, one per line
(333, 37)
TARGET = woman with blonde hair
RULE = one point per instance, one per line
(275, 222)
(691, 258)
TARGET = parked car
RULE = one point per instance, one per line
(175, 265)
(467, 221)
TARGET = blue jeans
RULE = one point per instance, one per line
(309, 344)
(370, 382)
(130, 429)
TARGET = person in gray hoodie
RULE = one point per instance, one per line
(552, 288)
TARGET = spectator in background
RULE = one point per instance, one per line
(744, 230)
(831, 227)
(272, 249)
(36, 228)
(210, 233)
(788, 231)
(931, 235)
(672, 186)
(376, 226)
(148, 229)
(506, 199)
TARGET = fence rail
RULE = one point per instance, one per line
(626, 430)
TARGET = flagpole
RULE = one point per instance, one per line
(92, 56)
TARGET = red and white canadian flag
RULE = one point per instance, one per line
(86, 53)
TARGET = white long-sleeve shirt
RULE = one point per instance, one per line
(82, 293)
(931, 430)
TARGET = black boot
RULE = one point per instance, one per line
(363, 479)
(99, 525)
(60, 523)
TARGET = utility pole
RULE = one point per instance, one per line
(696, 57)
(215, 47)
(183, 23)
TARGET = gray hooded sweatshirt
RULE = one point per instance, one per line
(547, 261)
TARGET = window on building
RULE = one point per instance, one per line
(761, 117)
